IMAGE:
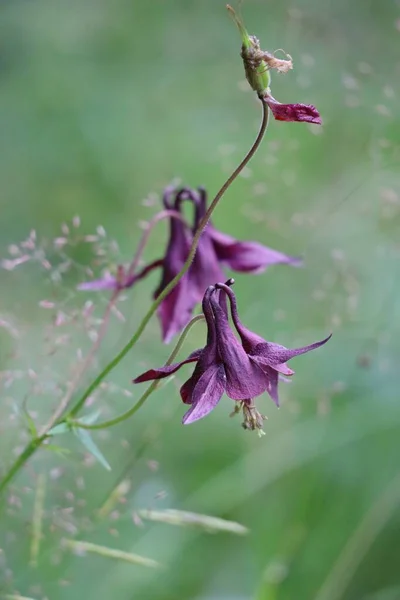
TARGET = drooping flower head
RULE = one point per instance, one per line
(243, 370)
(257, 66)
(215, 251)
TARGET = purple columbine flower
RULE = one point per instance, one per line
(241, 370)
(215, 251)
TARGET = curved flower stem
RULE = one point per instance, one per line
(34, 444)
(153, 386)
(203, 223)
(28, 451)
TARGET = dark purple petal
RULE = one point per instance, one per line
(248, 257)
(186, 390)
(265, 354)
(244, 379)
(124, 281)
(250, 340)
(200, 208)
(222, 301)
(206, 394)
(209, 355)
(276, 355)
(205, 269)
(168, 193)
(176, 252)
(306, 113)
(175, 311)
(206, 360)
(108, 282)
(272, 384)
(165, 371)
(265, 364)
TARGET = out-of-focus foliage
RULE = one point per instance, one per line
(101, 105)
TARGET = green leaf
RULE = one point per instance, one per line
(60, 428)
(31, 425)
(29, 421)
(57, 449)
(26, 416)
(85, 438)
(91, 418)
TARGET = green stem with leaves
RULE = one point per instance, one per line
(34, 444)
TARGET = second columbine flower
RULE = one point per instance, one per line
(241, 370)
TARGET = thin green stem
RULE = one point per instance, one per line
(203, 223)
(20, 461)
(153, 386)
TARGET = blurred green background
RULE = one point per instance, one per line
(101, 105)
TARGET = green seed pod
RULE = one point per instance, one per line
(255, 67)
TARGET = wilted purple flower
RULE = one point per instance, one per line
(215, 250)
(243, 371)
(306, 113)
(258, 64)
